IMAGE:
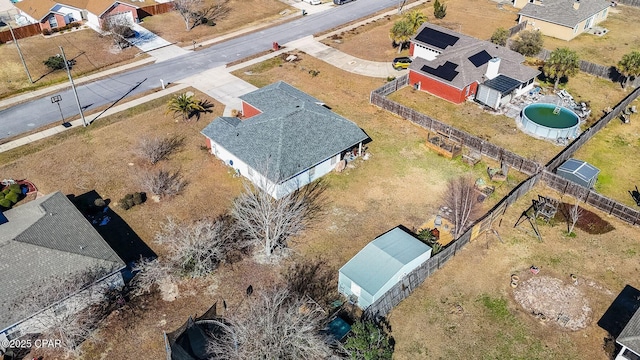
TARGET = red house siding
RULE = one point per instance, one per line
(208, 143)
(122, 8)
(441, 89)
(249, 111)
(411, 49)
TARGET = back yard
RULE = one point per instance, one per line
(609, 48)
(90, 51)
(372, 41)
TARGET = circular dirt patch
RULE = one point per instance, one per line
(550, 299)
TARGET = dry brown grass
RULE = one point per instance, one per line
(372, 41)
(90, 51)
(609, 48)
(243, 13)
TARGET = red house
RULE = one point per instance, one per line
(457, 67)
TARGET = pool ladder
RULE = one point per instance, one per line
(556, 111)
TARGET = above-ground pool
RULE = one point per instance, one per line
(549, 121)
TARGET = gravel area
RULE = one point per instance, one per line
(550, 299)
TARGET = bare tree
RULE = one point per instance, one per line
(272, 222)
(66, 307)
(575, 212)
(195, 12)
(149, 274)
(119, 28)
(156, 149)
(313, 278)
(197, 249)
(163, 182)
(277, 325)
(460, 196)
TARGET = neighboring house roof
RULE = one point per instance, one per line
(382, 259)
(40, 9)
(630, 335)
(293, 133)
(581, 169)
(44, 239)
(466, 60)
(562, 12)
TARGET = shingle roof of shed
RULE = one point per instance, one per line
(293, 133)
(43, 239)
(562, 12)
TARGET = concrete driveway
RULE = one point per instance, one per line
(154, 45)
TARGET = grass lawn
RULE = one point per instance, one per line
(371, 41)
(467, 309)
(610, 147)
(609, 48)
(242, 13)
(90, 51)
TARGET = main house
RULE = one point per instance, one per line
(629, 339)
(380, 265)
(562, 19)
(51, 14)
(48, 240)
(457, 67)
(285, 139)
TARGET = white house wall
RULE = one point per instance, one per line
(345, 287)
(424, 52)
(44, 319)
(303, 178)
(93, 21)
(69, 13)
(401, 274)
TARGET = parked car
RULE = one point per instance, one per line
(313, 2)
(340, 2)
(401, 62)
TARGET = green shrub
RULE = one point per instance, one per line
(55, 62)
(5, 203)
(6, 191)
(46, 32)
(15, 188)
(138, 198)
(13, 197)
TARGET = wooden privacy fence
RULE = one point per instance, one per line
(411, 281)
(635, 3)
(485, 148)
(567, 152)
(603, 71)
(21, 32)
(155, 9)
(516, 29)
(591, 197)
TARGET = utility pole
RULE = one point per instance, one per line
(73, 86)
(20, 53)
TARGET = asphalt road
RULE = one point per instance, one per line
(40, 112)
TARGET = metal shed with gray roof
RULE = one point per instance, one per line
(380, 265)
(293, 140)
(47, 239)
(578, 171)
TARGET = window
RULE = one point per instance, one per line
(250, 171)
(467, 90)
(334, 159)
(604, 13)
(312, 172)
(575, 29)
(53, 22)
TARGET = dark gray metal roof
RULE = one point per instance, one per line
(630, 335)
(503, 84)
(579, 168)
(44, 239)
(293, 133)
(462, 64)
(382, 259)
(562, 12)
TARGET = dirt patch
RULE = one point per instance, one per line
(550, 299)
(589, 221)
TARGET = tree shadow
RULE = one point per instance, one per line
(115, 231)
(207, 109)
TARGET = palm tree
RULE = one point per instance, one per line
(415, 18)
(629, 66)
(400, 33)
(186, 105)
(562, 62)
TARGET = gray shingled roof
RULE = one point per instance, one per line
(45, 239)
(293, 133)
(562, 12)
(510, 61)
(630, 335)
